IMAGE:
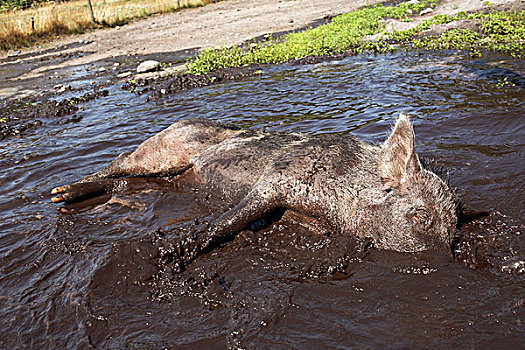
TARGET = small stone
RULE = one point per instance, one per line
(62, 88)
(102, 69)
(413, 2)
(163, 91)
(14, 53)
(409, 11)
(425, 11)
(148, 66)
(116, 64)
(124, 75)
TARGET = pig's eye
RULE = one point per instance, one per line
(421, 217)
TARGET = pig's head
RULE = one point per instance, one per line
(413, 209)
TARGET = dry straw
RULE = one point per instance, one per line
(19, 28)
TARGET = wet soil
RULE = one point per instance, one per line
(21, 117)
(157, 86)
(237, 285)
(492, 242)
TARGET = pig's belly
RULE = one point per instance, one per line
(231, 168)
(227, 180)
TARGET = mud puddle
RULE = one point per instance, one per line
(98, 274)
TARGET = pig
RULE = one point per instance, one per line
(346, 185)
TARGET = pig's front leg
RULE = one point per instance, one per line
(81, 190)
(94, 184)
(138, 163)
(259, 203)
(167, 153)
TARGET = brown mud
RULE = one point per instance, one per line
(169, 84)
(492, 242)
(101, 273)
(220, 281)
(20, 117)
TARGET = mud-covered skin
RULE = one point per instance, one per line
(347, 185)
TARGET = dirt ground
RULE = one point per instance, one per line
(29, 72)
(224, 23)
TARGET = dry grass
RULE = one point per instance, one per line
(19, 28)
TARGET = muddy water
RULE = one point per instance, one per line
(96, 274)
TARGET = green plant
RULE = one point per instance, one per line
(343, 34)
(504, 81)
(500, 31)
(475, 53)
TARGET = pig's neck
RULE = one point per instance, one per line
(350, 202)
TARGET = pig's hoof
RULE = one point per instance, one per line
(56, 190)
(64, 197)
(80, 191)
(59, 189)
(58, 199)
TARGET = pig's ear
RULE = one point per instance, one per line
(398, 162)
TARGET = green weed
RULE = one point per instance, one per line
(344, 33)
(503, 82)
(499, 31)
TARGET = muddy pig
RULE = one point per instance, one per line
(346, 185)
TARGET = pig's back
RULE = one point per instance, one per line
(231, 168)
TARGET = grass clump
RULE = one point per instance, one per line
(498, 31)
(453, 39)
(344, 33)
